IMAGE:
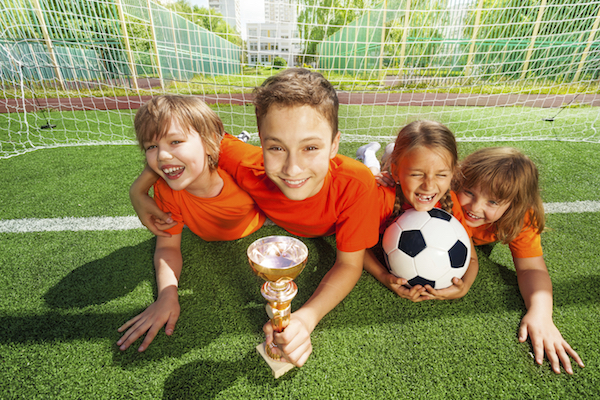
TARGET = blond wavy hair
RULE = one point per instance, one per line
(505, 175)
(153, 120)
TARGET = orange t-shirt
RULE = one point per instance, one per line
(346, 205)
(527, 244)
(387, 198)
(230, 215)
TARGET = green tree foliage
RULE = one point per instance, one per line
(424, 37)
(318, 19)
(279, 62)
(206, 18)
(17, 20)
(506, 29)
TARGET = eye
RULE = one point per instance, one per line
(275, 148)
(176, 141)
(311, 148)
(150, 147)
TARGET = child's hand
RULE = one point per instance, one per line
(396, 285)
(293, 344)
(385, 179)
(457, 290)
(151, 216)
(165, 310)
(163, 225)
(545, 336)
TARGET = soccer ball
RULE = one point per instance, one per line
(427, 248)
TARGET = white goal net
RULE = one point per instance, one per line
(74, 72)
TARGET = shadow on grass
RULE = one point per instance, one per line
(105, 279)
(207, 379)
(218, 294)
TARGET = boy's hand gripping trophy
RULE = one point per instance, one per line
(278, 260)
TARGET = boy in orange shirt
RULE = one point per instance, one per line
(302, 185)
(180, 136)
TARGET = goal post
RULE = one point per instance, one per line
(492, 70)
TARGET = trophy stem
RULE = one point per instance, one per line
(280, 296)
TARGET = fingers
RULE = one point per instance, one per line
(147, 323)
(295, 351)
(150, 224)
(574, 355)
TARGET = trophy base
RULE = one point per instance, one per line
(277, 367)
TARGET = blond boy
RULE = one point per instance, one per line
(180, 136)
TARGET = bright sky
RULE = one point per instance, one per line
(250, 11)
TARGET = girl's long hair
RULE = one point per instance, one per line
(432, 135)
(505, 175)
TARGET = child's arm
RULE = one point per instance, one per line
(392, 282)
(294, 341)
(145, 207)
(536, 289)
(459, 287)
(165, 310)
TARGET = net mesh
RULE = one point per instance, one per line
(75, 72)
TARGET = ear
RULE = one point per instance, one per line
(335, 145)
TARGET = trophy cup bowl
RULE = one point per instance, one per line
(278, 260)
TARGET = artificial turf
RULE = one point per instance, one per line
(66, 293)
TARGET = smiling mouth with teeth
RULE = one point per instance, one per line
(473, 216)
(426, 198)
(295, 182)
(172, 170)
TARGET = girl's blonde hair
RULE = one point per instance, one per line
(153, 120)
(433, 135)
(505, 175)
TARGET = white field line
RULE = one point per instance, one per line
(126, 223)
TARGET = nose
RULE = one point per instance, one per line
(291, 166)
(163, 153)
(427, 183)
(477, 205)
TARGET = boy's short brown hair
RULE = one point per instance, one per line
(298, 87)
(153, 120)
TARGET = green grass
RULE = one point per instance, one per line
(364, 82)
(65, 294)
(468, 124)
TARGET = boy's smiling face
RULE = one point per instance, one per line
(297, 147)
(180, 159)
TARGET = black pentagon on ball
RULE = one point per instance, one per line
(439, 213)
(412, 242)
(417, 280)
(458, 255)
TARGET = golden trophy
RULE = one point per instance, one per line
(278, 260)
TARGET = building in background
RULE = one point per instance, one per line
(230, 10)
(276, 37)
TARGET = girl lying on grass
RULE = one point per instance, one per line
(420, 167)
(498, 192)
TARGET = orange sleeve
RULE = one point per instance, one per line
(163, 196)
(233, 152)
(528, 243)
(229, 216)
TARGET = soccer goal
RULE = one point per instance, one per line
(74, 72)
